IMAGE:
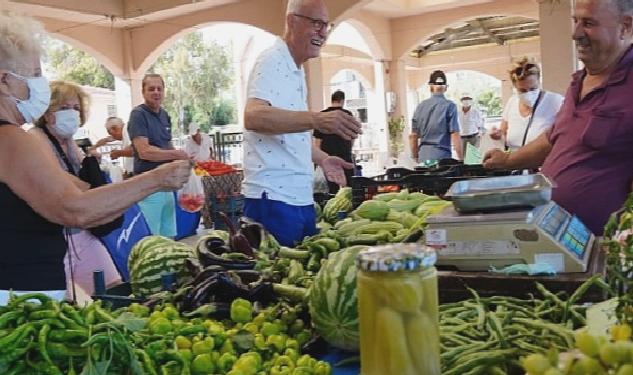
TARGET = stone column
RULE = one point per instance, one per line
(398, 78)
(314, 79)
(123, 97)
(558, 55)
(377, 112)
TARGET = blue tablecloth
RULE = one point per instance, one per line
(335, 356)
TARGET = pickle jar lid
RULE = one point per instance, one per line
(393, 258)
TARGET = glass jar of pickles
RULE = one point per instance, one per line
(398, 310)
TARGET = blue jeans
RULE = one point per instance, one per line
(289, 224)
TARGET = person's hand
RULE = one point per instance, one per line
(496, 134)
(496, 159)
(172, 176)
(339, 123)
(333, 169)
(115, 154)
(181, 155)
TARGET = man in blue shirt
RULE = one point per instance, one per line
(435, 124)
(150, 132)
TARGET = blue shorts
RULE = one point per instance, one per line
(159, 210)
(289, 224)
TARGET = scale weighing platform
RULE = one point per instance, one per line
(479, 241)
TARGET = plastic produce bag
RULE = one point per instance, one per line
(191, 195)
(320, 182)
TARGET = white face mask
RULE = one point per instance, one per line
(38, 100)
(66, 123)
(467, 103)
(529, 98)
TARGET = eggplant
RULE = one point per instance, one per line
(253, 231)
(237, 241)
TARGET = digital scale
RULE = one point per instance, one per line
(479, 241)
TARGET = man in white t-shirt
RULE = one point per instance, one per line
(471, 122)
(278, 149)
(198, 145)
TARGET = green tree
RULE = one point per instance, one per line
(490, 102)
(197, 75)
(70, 64)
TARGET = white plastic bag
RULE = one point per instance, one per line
(191, 195)
(320, 182)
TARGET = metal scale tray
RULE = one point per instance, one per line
(500, 193)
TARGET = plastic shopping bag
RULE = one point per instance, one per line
(191, 195)
(320, 182)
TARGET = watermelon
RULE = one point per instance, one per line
(332, 300)
(153, 256)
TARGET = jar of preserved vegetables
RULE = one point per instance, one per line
(398, 310)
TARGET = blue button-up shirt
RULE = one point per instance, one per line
(434, 120)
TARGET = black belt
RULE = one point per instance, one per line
(470, 136)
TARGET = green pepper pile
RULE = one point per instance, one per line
(42, 336)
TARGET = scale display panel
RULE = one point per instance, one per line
(576, 237)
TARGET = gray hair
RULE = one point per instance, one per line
(19, 37)
(114, 121)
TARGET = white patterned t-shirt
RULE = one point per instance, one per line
(279, 165)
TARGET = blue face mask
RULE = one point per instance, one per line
(38, 100)
(66, 123)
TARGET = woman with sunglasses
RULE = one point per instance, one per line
(530, 111)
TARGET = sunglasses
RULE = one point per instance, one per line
(523, 71)
(317, 24)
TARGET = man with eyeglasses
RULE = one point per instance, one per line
(588, 153)
(278, 149)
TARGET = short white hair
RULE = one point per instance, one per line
(114, 122)
(20, 36)
(294, 6)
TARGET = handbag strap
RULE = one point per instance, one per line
(527, 128)
(59, 149)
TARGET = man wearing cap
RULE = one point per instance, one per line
(471, 122)
(435, 124)
(198, 145)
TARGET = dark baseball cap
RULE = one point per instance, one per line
(437, 78)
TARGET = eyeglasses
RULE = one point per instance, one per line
(317, 24)
(523, 71)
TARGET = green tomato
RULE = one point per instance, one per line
(202, 364)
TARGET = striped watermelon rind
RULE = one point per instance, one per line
(153, 256)
(333, 302)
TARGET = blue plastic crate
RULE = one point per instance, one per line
(232, 206)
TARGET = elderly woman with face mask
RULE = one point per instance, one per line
(531, 111)
(65, 114)
(38, 197)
